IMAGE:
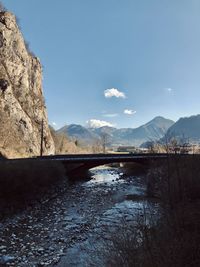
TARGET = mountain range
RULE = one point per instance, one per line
(153, 130)
(187, 128)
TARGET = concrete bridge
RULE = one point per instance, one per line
(81, 162)
(101, 159)
(30, 175)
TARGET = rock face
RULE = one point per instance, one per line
(22, 106)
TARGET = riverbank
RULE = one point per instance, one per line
(172, 238)
(61, 230)
(23, 183)
(115, 218)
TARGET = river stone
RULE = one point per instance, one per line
(6, 259)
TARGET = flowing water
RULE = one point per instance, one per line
(70, 227)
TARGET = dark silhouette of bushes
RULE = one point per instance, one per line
(172, 238)
(175, 180)
(22, 181)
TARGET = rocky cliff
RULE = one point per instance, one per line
(22, 106)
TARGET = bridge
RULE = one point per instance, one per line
(28, 175)
(73, 162)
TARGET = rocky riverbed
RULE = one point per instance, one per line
(67, 227)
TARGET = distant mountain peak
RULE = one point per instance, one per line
(153, 130)
(189, 127)
(160, 119)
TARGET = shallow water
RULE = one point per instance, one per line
(70, 227)
(89, 252)
(104, 175)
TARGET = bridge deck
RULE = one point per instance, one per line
(83, 158)
(81, 162)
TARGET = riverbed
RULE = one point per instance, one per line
(71, 226)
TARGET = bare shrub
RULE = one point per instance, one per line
(173, 238)
(2, 7)
(124, 249)
(177, 184)
(27, 45)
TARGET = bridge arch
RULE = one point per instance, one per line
(84, 167)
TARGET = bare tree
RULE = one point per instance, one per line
(96, 146)
(104, 141)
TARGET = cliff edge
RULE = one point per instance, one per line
(22, 106)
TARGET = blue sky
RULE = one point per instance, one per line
(147, 50)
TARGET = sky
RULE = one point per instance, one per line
(115, 62)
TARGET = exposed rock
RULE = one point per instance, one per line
(6, 259)
(22, 106)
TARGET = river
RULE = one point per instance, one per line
(70, 226)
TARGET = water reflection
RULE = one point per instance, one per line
(104, 175)
(113, 202)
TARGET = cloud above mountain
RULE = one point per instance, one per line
(93, 123)
(169, 90)
(110, 115)
(113, 92)
(129, 111)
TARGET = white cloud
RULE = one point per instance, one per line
(54, 123)
(169, 89)
(93, 123)
(129, 111)
(113, 92)
(111, 115)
